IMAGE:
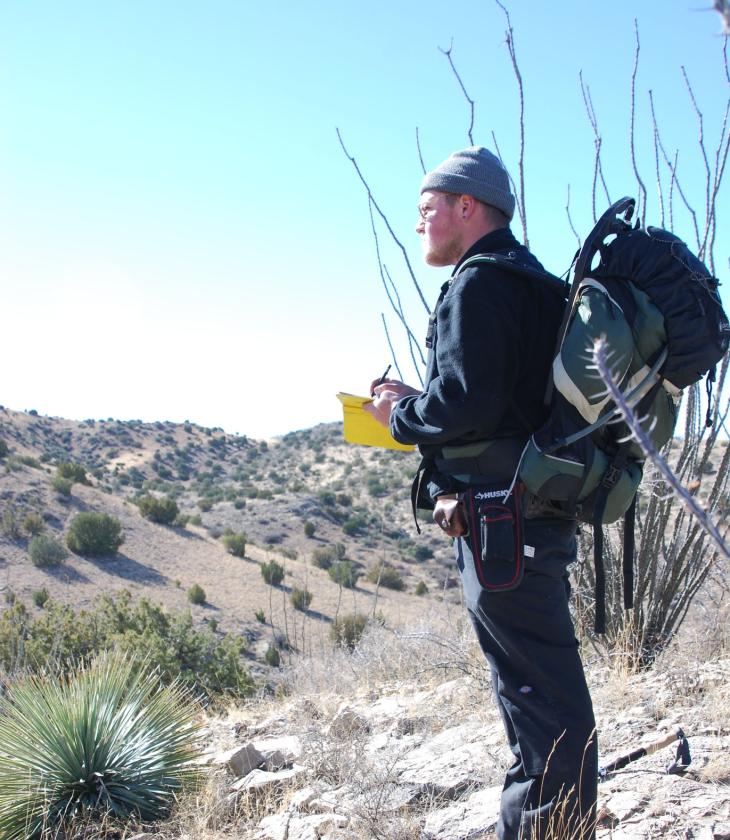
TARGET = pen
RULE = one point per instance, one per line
(382, 378)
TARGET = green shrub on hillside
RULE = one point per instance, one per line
(309, 529)
(300, 599)
(33, 524)
(344, 573)
(235, 544)
(9, 523)
(45, 550)
(60, 637)
(75, 473)
(104, 740)
(41, 597)
(272, 572)
(95, 535)
(163, 511)
(62, 485)
(3, 448)
(196, 594)
(386, 576)
(346, 631)
(421, 588)
(272, 656)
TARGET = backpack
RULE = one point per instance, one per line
(659, 310)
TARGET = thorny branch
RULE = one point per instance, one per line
(390, 346)
(660, 191)
(420, 154)
(600, 361)
(597, 141)
(396, 304)
(470, 130)
(385, 220)
(641, 207)
(570, 219)
(522, 212)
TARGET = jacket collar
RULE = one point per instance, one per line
(498, 241)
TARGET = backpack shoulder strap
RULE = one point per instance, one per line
(511, 262)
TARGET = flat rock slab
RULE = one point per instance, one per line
(288, 827)
(263, 781)
(468, 819)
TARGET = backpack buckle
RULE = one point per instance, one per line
(610, 477)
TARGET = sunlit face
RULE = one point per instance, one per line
(438, 227)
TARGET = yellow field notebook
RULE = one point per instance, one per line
(363, 428)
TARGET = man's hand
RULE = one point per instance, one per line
(385, 396)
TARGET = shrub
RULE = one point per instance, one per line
(346, 631)
(344, 573)
(261, 616)
(9, 524)
(3, 448)
(272, 572)
(45, 550)
(323, 557)
(163, 511)
(355, 525)
(107, 739)
(387, 576)
(171, 642)
(62, 485)
(196, 594)
(235, 544)
(309, 529)
(300, 599)
(33, 524)
(272, 656)
(205, 504)
(40, 597)
(95, 535)
(75, 473)
(421, 588)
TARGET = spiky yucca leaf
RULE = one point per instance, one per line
(107, 738)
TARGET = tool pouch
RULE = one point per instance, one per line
(496, 535)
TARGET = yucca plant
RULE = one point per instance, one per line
(107, 740)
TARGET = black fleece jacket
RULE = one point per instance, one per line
(493, 335)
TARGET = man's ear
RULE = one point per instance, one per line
(467, 206)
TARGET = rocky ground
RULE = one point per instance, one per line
(401, 741)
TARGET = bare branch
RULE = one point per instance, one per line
(412, 342)
(597, 141)
(600, 355)
(641, 205)
(447, 53)
(660, 192)
(420, 155)
(385, 220)
(521, 165)
(390, 345)
(395, 304)
(570, 220)
(703, 151)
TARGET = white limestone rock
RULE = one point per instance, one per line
(468, 819)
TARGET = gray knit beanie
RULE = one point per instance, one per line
(477, 172)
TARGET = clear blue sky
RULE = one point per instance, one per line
(181, 236)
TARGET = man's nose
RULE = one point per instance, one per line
(419, 226)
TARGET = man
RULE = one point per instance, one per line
(491, 341)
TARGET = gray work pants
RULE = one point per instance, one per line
(528, 639)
